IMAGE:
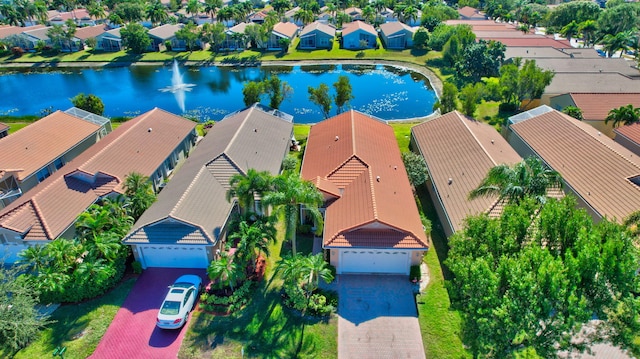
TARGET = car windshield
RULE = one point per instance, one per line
(177, 290)
(170, 308)
(182, 285)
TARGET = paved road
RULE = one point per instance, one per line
(377, 318)
(133, 332)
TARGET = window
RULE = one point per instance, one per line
(58, 163)
(186, 297)
(43, 174)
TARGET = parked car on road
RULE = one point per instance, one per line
(180, 300)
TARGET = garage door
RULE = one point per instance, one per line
(374, 261)
(173, 256)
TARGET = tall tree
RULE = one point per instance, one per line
(224, 271)
(276, 90)
(253, 239)
(156, 12)
(135, 38)
(526, 82)
(623, 115)
(139, 192)
(320, 96)
(416, 168)
(90, 102)
(289, 193)
(251, 92)
(248, 188)
(211, 7)
(344, 93)
(189, 34)
(528, 178)
(447, 101)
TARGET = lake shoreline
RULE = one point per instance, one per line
(434, 80)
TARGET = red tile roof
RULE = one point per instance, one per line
(592, 164)
(40, 143)
(88, 32)
(596, 106)
(358, 25)
(360, 156)
(3, 127)
(459, 152)
(631, 132)
(470, 12)
(287, 29)
(531, 42)
(141, 145)
(14, 30)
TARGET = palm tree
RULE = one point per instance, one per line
(64, 253)
(281, 6)
(225, 271)
(289, 268)
(108, 246)
(92, 222)
(225, 14)
(410, 14)
(211, 7)
(304, 16)
(35, 257)
(570, 29)
(314, 268)
(623, 115)
(139, 194)
(246, 188)
(193, 7)
(619, 41)
(368, 14)
(529, 178)
(253, 237)
(289, 192)
(588, 29)
(156, 12)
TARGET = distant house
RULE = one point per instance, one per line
(290, 16)
(629, 137)
(30, 38)
(355, 13)
(88, 32)
(359, 35)
(371, 221)
(596, 106)
(188, 222)
(4, 130)
(166, 33)
(258, 17)
(110, 40)
(8, 31)
(470, 13)
(317, 35)
(234, 37)
(281, 30)
(150, 144)
(80, 16)
(386, 15)
(35, 152)
(396, 35)
(459, 152)
(602, 174)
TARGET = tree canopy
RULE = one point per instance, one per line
(90, 102)
(531, 278)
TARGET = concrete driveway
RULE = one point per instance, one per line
(377, 318)
(133, 332)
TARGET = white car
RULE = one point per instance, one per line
(180, 300)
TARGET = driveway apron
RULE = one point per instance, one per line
(133, 332)
(377, 318)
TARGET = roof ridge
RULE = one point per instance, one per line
(14, 212)
(374, 203)
(460, 117)
(235, 135)
(112, 143)
(186, 191)
(38, 213)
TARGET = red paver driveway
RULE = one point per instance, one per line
(133, 332)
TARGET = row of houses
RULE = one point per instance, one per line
(459, 151)
(372, 223)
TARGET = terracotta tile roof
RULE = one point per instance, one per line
(40, 143)
(593, 165)
(530, 41)
(54, 15)
(239, 28)
(287, 29)
(47, 210)
(503, 33)
(631, 132)
(319, 26)
(358, 25)
(39, 33)
(88, 32)
(195, 197)
(463, 150)
(3, 127)
(7, 30)
(361, 157)
(596, 106)
(470, 12)
(390, 28)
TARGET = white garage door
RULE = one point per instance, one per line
(374, 261)
(173, 256)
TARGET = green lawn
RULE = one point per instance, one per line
(264, 329)
(15, 126)
(79, 327)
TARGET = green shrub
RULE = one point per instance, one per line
(136, 267)
(415, 273)
(237, 300)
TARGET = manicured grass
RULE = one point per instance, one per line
(15, 126)
(439, 323)
(403, 134)
(79, 327)
(264, 329)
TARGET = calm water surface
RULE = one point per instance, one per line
(386, 92)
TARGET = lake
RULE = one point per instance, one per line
(386, 92)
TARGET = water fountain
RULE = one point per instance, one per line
(178, 88)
